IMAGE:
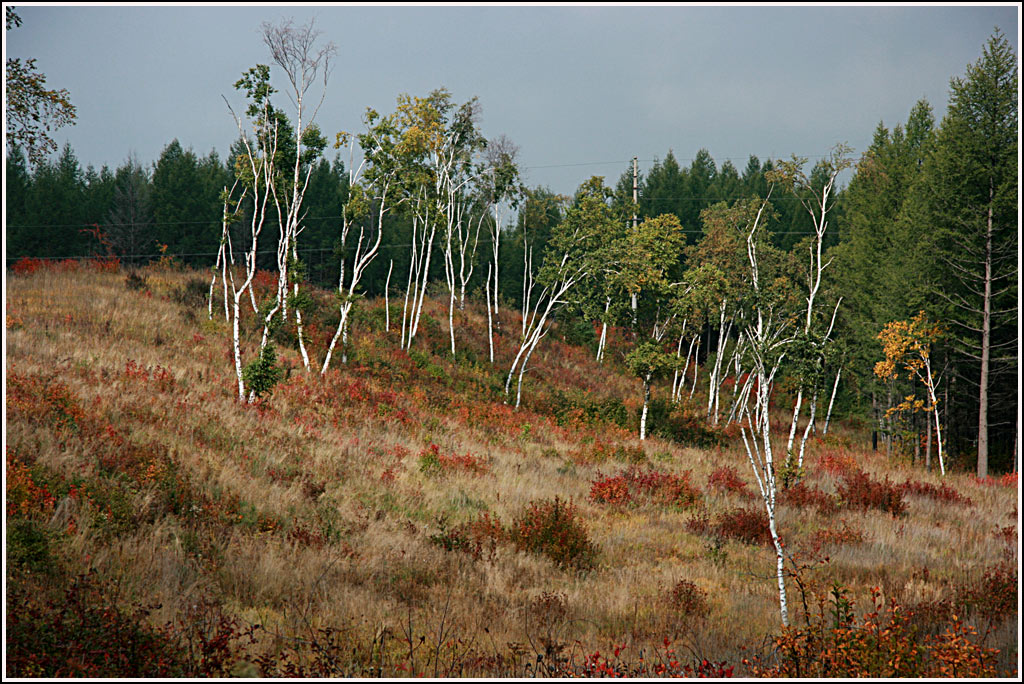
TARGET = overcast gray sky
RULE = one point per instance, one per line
(581, 89)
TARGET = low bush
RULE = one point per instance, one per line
(673, 422)
(601, 451)
(262, 373)
(82, 634)
(995, 596)
(882, 644)
(552, 527)
(801, 496)
(943, 493)
(749, 526)
(858, 491)
(478, 537)
(687, 599)
(634, 485)
(727, 480)
(837, 462)
(433, 462)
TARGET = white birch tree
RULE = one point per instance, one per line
(295, 51)
(768, 330)
(256, 171)
(572, 255)
(817, 194)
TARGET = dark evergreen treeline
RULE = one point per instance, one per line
(927, 222)
(173, 207)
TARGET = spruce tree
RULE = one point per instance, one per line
(970, 191)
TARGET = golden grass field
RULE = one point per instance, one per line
(365, 521)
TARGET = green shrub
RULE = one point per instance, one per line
(193, 294)
(263, 373)
(28, 546)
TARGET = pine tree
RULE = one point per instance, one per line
(970, 192)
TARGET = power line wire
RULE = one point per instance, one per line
(329, 218)
(483, 241)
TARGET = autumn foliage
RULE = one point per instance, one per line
(881, 644)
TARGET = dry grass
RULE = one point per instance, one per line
(315, 511)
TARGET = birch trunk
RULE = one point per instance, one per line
(831, 402)
(643, 413)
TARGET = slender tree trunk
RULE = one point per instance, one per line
(676, 375)
(418, 305)
(490, 322)
(792, 425)
(986, 342)
(338, 333)
(713, 380)
(876, 422)
(298, 313)
(696, 356)
(406, 314)
(888, 423)
(807, 430)
(451, 319)
(643, 413)
(387, 307)
(237, 349)
(831, 402)
(604, 330)
(928, 446)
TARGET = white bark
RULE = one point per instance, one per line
(604, 331)
(387, 308)
(831, 402)
(535, 319)
(643, 413)
(696, 367)
(260, 165)
(365, 252)
(818, 208)
(765, 334)
(807, 431)
(490, 322)
(294, 52)
(419, 267)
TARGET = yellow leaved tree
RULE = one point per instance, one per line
(907, 346)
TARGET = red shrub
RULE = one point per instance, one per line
(844, 534)
(601, 451)
(837, 462)
(672, 489)
(686, 598)
(553, 528)
(881, 644)
(995, 596)
(801, 496)
(610, 490)
(27, 266)
(1006, 480)
(727, 480)
(476, 537)
(433, 462)
(633, 485)
(858, 490)
(26, 498)
(42, 400)
(943, 493)
(746, 525)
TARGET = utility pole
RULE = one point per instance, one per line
(632, 299)
(634, 194)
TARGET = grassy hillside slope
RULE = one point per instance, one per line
(396, 518)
